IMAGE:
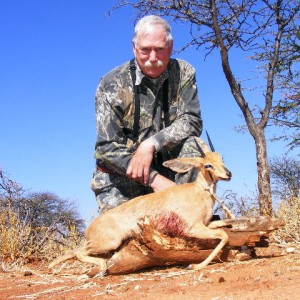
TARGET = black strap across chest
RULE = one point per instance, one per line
(136, 91)
(136, 100)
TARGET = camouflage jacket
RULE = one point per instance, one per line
(115, 112)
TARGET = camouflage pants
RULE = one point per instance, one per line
(112, 190)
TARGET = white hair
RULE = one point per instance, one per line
(147, 22)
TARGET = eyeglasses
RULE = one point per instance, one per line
(147, 51)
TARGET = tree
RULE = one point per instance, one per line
(10, 191)
(48, 210)
(285, 175)
(38, 210)
(286, 112)
(286, 115)
(261, 30)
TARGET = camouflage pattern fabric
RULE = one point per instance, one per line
(114, 121)
(112, 190)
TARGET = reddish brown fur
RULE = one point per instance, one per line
(181, 210)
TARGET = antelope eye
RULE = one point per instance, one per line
(208, 166)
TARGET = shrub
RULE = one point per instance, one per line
(35, 225)
(240, 206)
(289, 212)
(24, 243)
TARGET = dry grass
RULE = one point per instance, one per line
(289, 212)
(19, 243)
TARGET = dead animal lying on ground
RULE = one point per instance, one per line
(191, 203)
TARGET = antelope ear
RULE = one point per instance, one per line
(181, 165)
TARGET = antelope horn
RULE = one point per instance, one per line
(212, 148)
(199, 148)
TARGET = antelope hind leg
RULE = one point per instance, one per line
(99, 261)
(82, 256)
(62, 258)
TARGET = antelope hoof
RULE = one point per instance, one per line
(101, 274)
(195, 266)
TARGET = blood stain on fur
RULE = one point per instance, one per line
(170, 224)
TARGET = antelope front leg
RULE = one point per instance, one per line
(217, 224)
(207, 233)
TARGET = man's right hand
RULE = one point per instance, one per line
(139, 166)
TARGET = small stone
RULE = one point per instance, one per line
(27, 273)
(290, 250)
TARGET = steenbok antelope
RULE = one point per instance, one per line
(191, 203)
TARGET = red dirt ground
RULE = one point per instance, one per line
(274, 274)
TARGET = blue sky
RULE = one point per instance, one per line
(52, 55)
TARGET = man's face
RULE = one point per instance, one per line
(152, 51)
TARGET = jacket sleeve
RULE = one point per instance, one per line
(112, 150)
(187, 121)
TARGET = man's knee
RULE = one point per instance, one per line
(112, 190)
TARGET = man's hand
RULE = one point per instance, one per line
(139, 166)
